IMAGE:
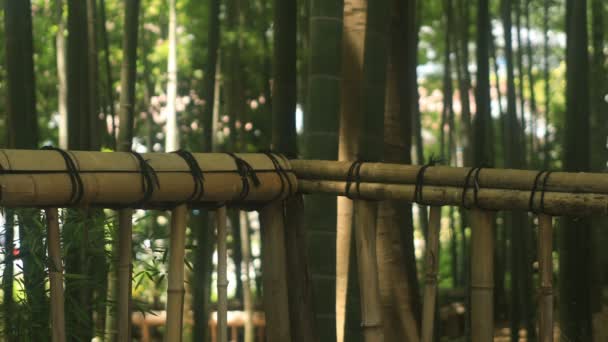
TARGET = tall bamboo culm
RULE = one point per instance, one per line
(432, 266)
(222, 277)
(175, 290)
(482, 276)
(55, 275)
(274, 277)
(545, 258)
(125, 240)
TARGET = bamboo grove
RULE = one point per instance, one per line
(389, 170)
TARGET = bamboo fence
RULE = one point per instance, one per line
(168, 180)
(39, 178)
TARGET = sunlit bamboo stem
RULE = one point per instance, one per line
(55, 275)
(175, 290)
(222, 276)
(482, 276)
(432, 267)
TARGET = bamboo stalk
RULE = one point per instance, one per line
(580, 182)
(222, 276)
(55, 275)
(545, 258)
(366, 213)
(482, 276)
(298, 279)
(274, 277)
(125, 238)
(175, 289)
(555, 203)
(432, 267)
(115, 178)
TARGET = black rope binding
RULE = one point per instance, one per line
(420, 181)
(72, 170)
(246, 171)
(283, 176)
(354, 173)
(197, 175)
(545, 176)
(148, 180)
(475, 173)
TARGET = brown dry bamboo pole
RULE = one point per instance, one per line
(115, 178)
(555, 203)
(222, 274)
(365, 242)
(125, 238)
(545, 258)
(482, 276)
(432, 267)
(274, 277)
(452, 176)
(55, 275)
(175, 289)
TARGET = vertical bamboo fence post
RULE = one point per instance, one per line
(431, 265)
(55, 275)
(125, 224)
(274, 278)
(175, 290)
(545, 260)
(222, 276)
(482, 276)
(365, 242)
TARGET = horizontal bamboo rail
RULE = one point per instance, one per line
(34, 178)
(451, 176)
(555, 203)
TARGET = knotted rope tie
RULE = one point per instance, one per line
(545, 176)
(197, 175)
(148, 180)
(354, 172)
(77, 185)
(246, 171)
(475, 173)
(420, 181)
(283, 176)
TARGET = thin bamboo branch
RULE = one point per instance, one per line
(432, 267)
(555, 203)
(124, 271)
(175, 289)
(276, 301)
(55, 275)
(222, 276)
(482, 276)
(545, 258)
(451, 176)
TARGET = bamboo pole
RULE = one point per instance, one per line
(482, 276)
(300, 293)
(580, 182)
(55, 275)
(39, 178)
(175, 289)
(222, 274)
(545, 258)
(125, 224)
(555, 203)
(274, 277)
(366, 213)
(432, 267)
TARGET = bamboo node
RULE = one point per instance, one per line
(545, 290)
(371, 323)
